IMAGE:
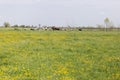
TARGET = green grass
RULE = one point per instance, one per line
(59, 55)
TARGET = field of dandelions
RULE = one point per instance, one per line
(59, 55)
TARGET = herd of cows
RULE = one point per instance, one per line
(57, 28)
(54, 28)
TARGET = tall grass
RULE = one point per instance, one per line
(59, 55)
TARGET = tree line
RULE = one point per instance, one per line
(107, 27)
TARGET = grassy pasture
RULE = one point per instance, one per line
(59, 55)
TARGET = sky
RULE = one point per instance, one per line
(59, 12)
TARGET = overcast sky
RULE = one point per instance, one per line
(59, 12)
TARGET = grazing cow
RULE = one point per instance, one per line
(32, 29)
(55, 28)
(80, 29)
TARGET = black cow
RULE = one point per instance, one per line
(80, 29)
(55, 28)
(32, 29)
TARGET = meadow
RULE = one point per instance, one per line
(59, 55)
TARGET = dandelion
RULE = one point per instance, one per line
(49, 77)
(63, 70)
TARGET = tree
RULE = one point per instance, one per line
(15, 26)
(100, 27)
(22, 26)
(6, 24)
(108, 24)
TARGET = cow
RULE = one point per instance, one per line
(55, 28)
(80, 29)
(32, 29)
